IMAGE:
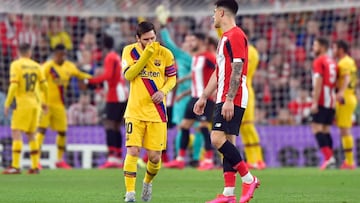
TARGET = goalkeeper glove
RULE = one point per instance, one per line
(162, 14)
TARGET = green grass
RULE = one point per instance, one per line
(186, 186)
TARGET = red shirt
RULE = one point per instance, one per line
(326, 68)
(118, 91)
(202, 67)
(233, 47)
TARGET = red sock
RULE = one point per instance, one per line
(242, 168)
(230, 179)
(118, 153)
(112, 151)
(182, 152)
(209, 154)
(145, 158)
(164, 157)
(327, 152)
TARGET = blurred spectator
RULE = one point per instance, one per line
(341, 32)
(9, 32)
(280, 28)
(284, 117)
(262, 47)
(306, 39)
(112, 28)
(83, 113)
(58, 35)
(29, 33)
(300, 107)
(249, 24)
(94, 27)
(41, 51)
(89, 45)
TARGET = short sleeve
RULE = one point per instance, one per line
(236, 47)
(14, 73)
(170, 69)
(318, 68)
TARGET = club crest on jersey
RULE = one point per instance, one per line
(157, 62)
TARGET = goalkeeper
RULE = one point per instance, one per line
(183, 60)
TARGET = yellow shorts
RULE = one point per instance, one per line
(25, 119)
(55, 118)
(146, 134)
(344, 112)
(249, 115)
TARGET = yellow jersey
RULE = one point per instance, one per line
(252, 65)
(159, 68)
(27, 74)
(58, 77)
(347, 66)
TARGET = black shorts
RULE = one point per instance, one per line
(115, 111)
(169, 112)
(231, 127)
(208, 111)
(324, 116)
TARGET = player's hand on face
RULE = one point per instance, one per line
(314, 108)
(227, 110)
(199, 106)
(158, 97)
(6, 111)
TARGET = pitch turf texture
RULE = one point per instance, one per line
(173, 186)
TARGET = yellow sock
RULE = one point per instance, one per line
(34, 152)
(348, 144)
(130, 168)
(16, 153)
(151, 171)
(60, 142)
(246, 139)
(258, 155)
(40, 140)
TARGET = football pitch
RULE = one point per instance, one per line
(174, 186)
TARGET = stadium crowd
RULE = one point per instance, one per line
(282, 82)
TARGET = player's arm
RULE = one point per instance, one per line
(182, 95)
(183, 79)
(131, 71)
(318, 80)
(14, 85)
(106, 75)
(79, 74)
(170, 73)
(345, 78)
(210, 88)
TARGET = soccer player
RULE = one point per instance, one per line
(25, 75)
(323, 103)
(115, 103)
(249, 134)
(150, 69)
(346, 99)
(203, 65)
(58, 72)
(229, 80)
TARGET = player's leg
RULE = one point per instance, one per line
(17, 145)
(154, 143)
(344, 122)
(41, 132)
(34, 153)
(135, 130)
(61, 147)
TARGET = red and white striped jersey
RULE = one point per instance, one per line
(202, 67)
(325, 67)
(233, 47)
(117, 89)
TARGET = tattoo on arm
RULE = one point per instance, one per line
(235, 79)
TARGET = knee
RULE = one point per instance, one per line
(42, 130)
(133, 151)
(185, 124)
(155, 157)
(217, 141)
(344, 132)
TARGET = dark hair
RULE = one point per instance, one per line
(231, 5)
(24, 48)
(323, 42)
(59, 47)
(246, 32)
(144, 27)
(342, 44)
(108, 42)
(199, 35)
(212, 41)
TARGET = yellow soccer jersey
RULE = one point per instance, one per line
(347, 66)
(159, 68)
(27, 74)
(253, 64)
(58, 77)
